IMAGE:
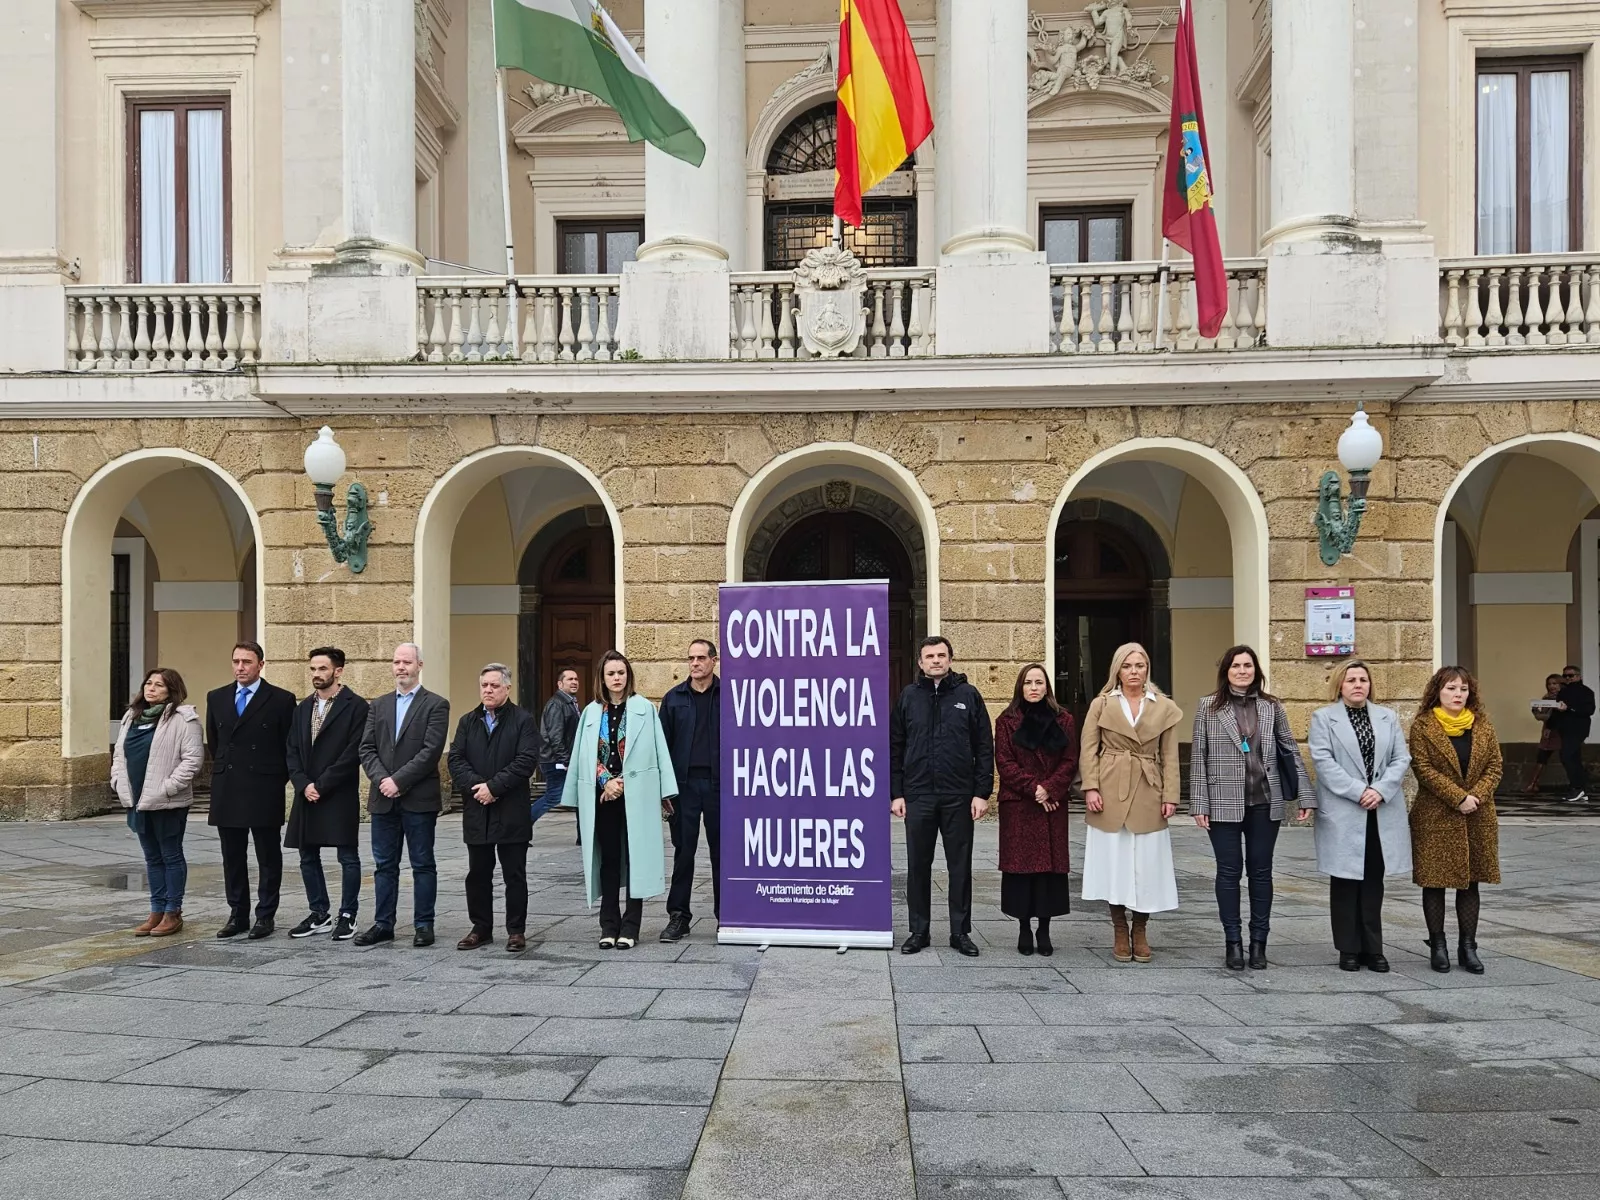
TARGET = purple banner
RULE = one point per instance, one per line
(805, 764)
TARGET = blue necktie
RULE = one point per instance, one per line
(240, 701)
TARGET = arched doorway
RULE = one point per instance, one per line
(854, 545)
(568, 606)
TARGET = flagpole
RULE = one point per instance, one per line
(838, 231)
(1161, 295)
(514, 332)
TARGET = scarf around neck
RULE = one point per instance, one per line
(1040, 730)
(1453, 726)
(151, 715)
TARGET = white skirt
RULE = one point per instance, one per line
(1131, 869)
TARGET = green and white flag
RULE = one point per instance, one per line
(575, 43)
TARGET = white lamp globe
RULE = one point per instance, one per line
(1360, 446)
(325, 458)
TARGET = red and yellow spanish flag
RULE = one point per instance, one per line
(883, 107)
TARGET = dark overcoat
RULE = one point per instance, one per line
(1449, 848)
(505, 760)
(1033, 841)
(249, 768)
(333, 763)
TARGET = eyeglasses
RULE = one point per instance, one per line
(1569, 675)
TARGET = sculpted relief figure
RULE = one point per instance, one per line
(1113, 24)
(1055, 61)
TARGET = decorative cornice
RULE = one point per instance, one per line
(102, 9)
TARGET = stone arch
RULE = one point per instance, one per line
(86, 583)
(435, 538)
(833, 496)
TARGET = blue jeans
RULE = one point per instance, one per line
(317, 883)
(555, 782)
(161, 839)
(416, 830)
(1260, 835)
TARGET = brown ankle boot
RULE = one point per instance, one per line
(170, 924)
(147, 926)
(1119, 924)
(1141, 943)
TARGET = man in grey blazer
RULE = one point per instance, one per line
(400, 751)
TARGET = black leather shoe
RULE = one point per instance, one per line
(1025, 941)
(1467, 955)
(423, 936)
(1439, 953)
(374, 935)
(1349, 962)
(1043, 943)
(234, 927)
(1233, 956)
(963, 944)
(914, 943)
(1375, 962)
(1258, 955)
(261, 929)
(677, 928)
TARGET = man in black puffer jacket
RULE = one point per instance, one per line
(941, 772)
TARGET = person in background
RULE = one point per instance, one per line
(1574, 710)
(400, 751)
(620, 780)
(1544, 710)
(325, 768)
(691, 717)
(247, 729)
(1454, 831)
(159, 751)
(941, 772)
(491, 761)
(1361, 835)
(557, 725)
(1036, 750)
(1129, 758)
(1238, 793)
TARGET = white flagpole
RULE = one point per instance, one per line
(1161, 294)
(514, 333)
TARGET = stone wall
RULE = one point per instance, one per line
(991, 477)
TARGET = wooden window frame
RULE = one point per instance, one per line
(180, 106)
(1085, 213)
(595, 225)
(1524, 67)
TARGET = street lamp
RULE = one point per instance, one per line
(1360, 448)
(324, 465)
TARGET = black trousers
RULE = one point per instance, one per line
(1572, 763)
(480, 885)
(236, 869)
(1259, 832)
(611, 838)
(929, 818)
(699, 797)
(1356, 905)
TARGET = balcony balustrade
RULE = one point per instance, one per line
(1521, 300)
(161, 327)
(1112, 308)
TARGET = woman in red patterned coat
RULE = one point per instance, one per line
(1036, 750)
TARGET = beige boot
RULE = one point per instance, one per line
(145, 927)
(170, 924)
(1119, 924)
(1141, 943)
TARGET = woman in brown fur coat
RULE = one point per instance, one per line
(1455, 835)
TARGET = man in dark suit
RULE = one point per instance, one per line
(491, 761)
(1574, 711)
(691, 717)
(325, 768)
(247, 731)
(400, 750)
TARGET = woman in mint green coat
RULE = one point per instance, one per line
(620, 779)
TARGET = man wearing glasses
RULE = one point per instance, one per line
(1574, 708)
(691, 717)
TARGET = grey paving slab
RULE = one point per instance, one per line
(690, 1005)
(860, 974)
(112, 977)
(368, 1126)
(1019, 1087)
(1480, 1040)
(74, 1110)
(1500, 971)
(1532, 1187)
(601, 1183)
(257, 1024)
(549, 1001)
(963, 1008)
(1139, 980)
(1105, 1008)
(626, 972)
(271, 1068)
(1480, 1086)
(568, 1135)
(1589, 1066)
(468, 1034)
(1233, 1188)
(1106, 1043)
(1210, 1144)
(1297, 980)
(959, 1187)
(1018, 1144)
(1319, 1008)
(223, 987)
(942, 1043)
(332, 1177)
(601, 1036)
(978, 979)
(1304, 1044)
(1245, 1088)
(1513, 1002)
(46, 1053)
(10, 1083)
(788, 1140)
(815, 1037)
(56, 1170)
(1527, 1143)
(481, 968)
(650, 1081)
(471, 1076)
(386, 995)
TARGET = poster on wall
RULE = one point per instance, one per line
(1330, 622)
(805, 764)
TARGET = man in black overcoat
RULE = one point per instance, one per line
(491, 760)
(325, 768)
(247, 732)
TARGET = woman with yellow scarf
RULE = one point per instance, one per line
(1455, 835)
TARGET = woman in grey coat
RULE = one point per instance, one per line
(1362, 833)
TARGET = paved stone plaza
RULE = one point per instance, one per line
(200, 1069)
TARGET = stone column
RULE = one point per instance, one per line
(675, 298)
(378, 71)
(32, 274)
(993, 285)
